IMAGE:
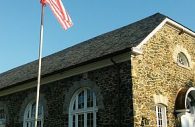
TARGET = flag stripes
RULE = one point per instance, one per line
(60, 13)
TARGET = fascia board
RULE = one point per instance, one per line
(168, 21)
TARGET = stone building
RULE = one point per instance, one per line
(139, 75)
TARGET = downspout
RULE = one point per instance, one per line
(119, 90)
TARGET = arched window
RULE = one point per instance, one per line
(182, 59)
(3, 116)
(161, 115)
(29, 115)
(83, 109)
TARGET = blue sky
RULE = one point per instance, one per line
(20, 24)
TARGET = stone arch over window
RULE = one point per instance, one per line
(69, 93)
(182, 57)
(4, 119)
(27, 111)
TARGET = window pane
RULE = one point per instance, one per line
(81, 120)
(74, 106)
(33, 110)
(182, 59)
(89, 98)
(30, 124)
(73, 121)
(90, 120)
(27, 124)
(81, 100)
(38, 123)
(28, 114)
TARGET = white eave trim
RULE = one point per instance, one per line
(152, 33)
(168, 21)
(186, 30)
(136, 50)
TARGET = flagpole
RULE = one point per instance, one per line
(39, 67)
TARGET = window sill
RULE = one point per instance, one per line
(183, 66)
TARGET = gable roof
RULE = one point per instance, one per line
(110, 43)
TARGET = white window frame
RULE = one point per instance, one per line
(84, 111)
(161, 116)
(29, 121)
(191, 108)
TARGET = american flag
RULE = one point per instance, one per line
(60, 12)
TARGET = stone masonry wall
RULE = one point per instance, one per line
(114, 107)
(155, 72)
